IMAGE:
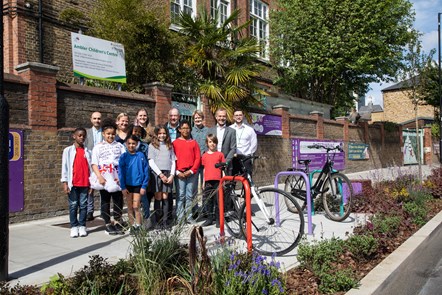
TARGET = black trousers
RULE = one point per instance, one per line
(117, 199)
(210, 199)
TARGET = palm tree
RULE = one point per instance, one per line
(223, 59)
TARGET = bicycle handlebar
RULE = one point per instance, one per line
(243, 159)
(327, 148)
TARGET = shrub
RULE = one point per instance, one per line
(418, 212)
(362, 247)
(337, 281)
(434, 182)
(157, 256)
(6, 289)
(319, 255)
(252, 274)
(386, 224)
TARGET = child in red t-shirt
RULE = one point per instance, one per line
(212, 176)
(75, 171)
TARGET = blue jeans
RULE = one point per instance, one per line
(78, 202)
(186, 189)
(145, 203)
(90, 202)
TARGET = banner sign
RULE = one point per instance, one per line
(16, 170)
(301, 151)
(95, 58)
(358, 151)
(266, 124)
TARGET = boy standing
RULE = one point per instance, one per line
(212, 176)
(75, 171)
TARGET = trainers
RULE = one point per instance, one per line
(82, 231)
(110, 230)
(74, 232)
(119, 229)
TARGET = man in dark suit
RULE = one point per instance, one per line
(93, 136)
(226, 144)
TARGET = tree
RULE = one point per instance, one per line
(326, 50)
(152, 50)
(223, 60)
(415, 80)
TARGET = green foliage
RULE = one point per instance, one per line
(417, 212)
(337, 281)
(157, 257)
(250, 274)
(74, 17)
(57, 285)
(224, 61)
(362, 247)
(333, 48)
(319, 255)
(435, 128)
(386, 224)
(101, 277)
(152, 50)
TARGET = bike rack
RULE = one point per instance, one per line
(309, 200)
(246, 185)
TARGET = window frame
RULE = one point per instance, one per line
(259, 26)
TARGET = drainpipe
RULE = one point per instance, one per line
(40, 30)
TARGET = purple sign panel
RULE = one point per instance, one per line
(301, 151)
(267, 124)
(16, 173)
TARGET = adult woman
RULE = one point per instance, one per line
(122, 127)
(143, 120)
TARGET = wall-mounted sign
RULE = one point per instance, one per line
(266, 124)
(301, 151)
(16, 170)
(95, 58)
(358, 151)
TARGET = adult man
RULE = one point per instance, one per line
(246, 143)
(226, 144)
(93, 136)
(173, 124)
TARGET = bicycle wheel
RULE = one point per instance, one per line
(232, 220)
(337, 197)
(295, 185)
(275, 229)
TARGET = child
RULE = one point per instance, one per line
(105, 159)
(143, 147)
(188, 160)
(133, 172)
(212, 176)
(75, 170)
(162, 162)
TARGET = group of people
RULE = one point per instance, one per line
(138, 162)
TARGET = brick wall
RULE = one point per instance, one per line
(398, 107)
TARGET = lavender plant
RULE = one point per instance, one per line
(251, 274)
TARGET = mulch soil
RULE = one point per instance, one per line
(302, 281)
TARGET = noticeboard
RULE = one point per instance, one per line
(358, 151)
(301, 151)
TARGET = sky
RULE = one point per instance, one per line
(426, 23)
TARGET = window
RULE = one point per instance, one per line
(259, 27)
(178, 6)
(220, 9)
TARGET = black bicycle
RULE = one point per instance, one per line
(275, 229)
(334, 187)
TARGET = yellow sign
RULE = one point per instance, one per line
(14, 146)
